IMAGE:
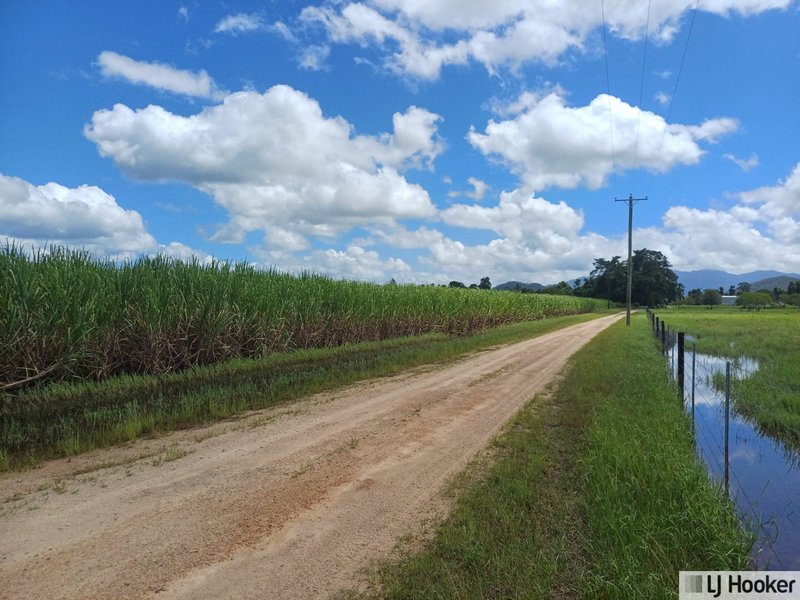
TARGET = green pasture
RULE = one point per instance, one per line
(771, 396)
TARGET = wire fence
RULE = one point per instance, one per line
(759, 474)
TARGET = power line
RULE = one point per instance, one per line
(641, 93)
(675, 89)
(608, 90)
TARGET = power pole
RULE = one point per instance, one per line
(631, 201)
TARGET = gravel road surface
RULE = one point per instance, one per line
(292, 502)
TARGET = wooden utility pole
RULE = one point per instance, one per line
(631, 201)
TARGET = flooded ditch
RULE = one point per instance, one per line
(764, 475)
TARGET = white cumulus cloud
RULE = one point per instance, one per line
(503, 32)
(781, 200)
(543, 241)
(85, 216)
(182, 252)
(503, 259)
(313, 57)
(745, 165)
(763, 232)
(535, 240)
(727, 240)
(551, 144)
(276, 163)
(357, 263)
(239, 23)
(478, 191)
(159, 76)
(522, 218)
(662, 98)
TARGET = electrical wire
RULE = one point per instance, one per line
(641, 96)
(674, 91)
(608, 93)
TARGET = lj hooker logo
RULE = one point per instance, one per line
(739, 585)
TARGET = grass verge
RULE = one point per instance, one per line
(595, 493)
(66, 419)
(771, 396)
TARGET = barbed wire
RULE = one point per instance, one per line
(708, 374)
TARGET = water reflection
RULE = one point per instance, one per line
(764, 475)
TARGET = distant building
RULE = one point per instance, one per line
(729, 300)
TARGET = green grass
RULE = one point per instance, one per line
(771, 396)
(66, 316)
(68, 418)
(595, 492)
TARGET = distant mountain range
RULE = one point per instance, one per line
(709, 278)
(518, 285)
(705, 279)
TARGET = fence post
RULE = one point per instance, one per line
(655, 322)
(727, 419)
(663, 336)
(681, 341)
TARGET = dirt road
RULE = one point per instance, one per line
(286, 503)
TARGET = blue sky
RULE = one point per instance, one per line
(420, 140)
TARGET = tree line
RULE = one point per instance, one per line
(746, 297)
(654, 281)
(485, 284)
(654, 284)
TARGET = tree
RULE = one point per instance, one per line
(751, 300)
(793, 287)
(456, 284)
(731, 291)
(560, 289)
(607, 280)
(654, 281)
(711, 298)
(791, 299)
(743, 287)
(485, 284)
(694, 297)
